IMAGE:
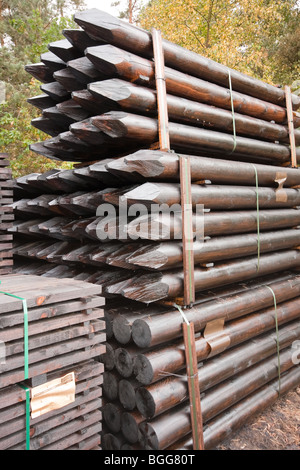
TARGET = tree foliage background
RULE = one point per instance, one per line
(26, 29)
(258, 37)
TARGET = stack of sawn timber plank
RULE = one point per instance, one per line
(99, 107)
(6, 215)
(51, 388)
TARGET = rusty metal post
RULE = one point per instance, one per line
(187, 231)
(289, 109)
(193, 385)
(163, 120)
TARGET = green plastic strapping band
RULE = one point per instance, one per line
(277, 340)
(182, 313)
(26, 348)
(257, 218)
(232, 110)
(26, 364)
(27, 415)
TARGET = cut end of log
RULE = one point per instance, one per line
(114, 196)
(86, 131)
(123, 362)
(143, 226)
(114, 90)
(127, 394)
(112, 417)
(86, 100)
(147, 163)
(122, 329)
(111, 125)
(147, 288)
(119, 262)
(56, 91)
(147, 436)
(39, 71)
(147, 192)
(119, 168)
(149, 257)
(129, 427)
(141, 334)
(94, 21)
(72, 141)
(145, 403)
(40, 149)
(80, 39)
(115, 288)
(143, 369)
(105, 58)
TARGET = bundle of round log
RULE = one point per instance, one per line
(99, 97)
(99, 109)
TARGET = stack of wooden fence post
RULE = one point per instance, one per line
(52, 336)
(99, 107)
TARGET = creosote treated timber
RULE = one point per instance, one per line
(99, 109)
(102, 26)
(153, 399)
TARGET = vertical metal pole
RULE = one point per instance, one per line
(163, 120)
(289, 109)
(193, 385)
(187, 231)
(187, 238)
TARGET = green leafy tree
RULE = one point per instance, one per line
(131, 11)
(249, 35)
(26, 29)
(287, 54)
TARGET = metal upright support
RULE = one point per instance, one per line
(187, 241)
(290, 116)
(163, 120)
(193, 385)
(187, 231)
